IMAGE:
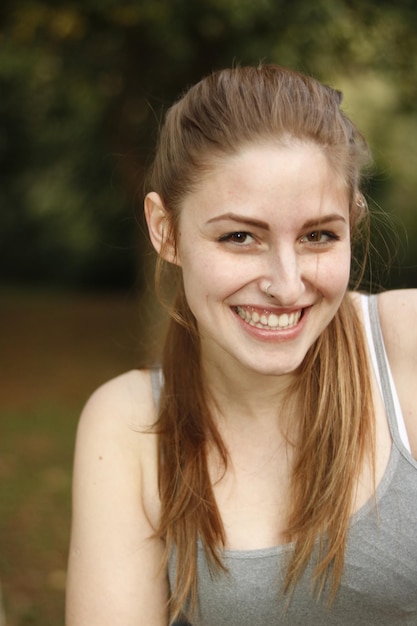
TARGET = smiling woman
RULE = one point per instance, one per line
(283, 194)
(266, 472)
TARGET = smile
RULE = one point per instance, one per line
(267, 320)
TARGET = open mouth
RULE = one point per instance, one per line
(267, 320)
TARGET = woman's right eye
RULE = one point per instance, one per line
(238, 237)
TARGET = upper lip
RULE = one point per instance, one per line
(269, 308)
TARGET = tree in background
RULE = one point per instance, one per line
(83, 85)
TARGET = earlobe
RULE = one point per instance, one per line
(159, 228)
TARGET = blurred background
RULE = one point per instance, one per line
(83, 87)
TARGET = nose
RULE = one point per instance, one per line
(283, 281)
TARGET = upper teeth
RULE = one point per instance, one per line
(268, 320)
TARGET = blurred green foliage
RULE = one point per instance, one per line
(82, 89)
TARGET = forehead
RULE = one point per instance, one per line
(273, 169)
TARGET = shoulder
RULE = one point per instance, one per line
(398, 315)
(118, 412)
(115, 440)
(114, 435)
(398, 318)
(114, 570)
(121, 404)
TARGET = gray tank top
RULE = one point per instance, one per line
(379, 584)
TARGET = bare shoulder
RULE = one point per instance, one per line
(398, 315)
(114, 571)
(115, 439)
(115, 427)
(123, 401)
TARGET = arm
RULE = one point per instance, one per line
(398, 313)
(114, 574)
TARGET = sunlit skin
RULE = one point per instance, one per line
(270, 215)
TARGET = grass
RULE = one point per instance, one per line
(35, 468)
(55, 349)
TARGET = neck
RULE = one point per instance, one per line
(247, 395)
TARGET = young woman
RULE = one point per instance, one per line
(267, 473)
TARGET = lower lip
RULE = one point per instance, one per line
(275, 335)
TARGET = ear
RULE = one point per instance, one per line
(159, 228)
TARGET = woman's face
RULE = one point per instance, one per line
(269, 216)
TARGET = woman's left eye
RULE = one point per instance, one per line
(318, 236)
(239, 237)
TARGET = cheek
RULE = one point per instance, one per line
(338, 275)
(209, 280)
(196, 275)
(333, 273)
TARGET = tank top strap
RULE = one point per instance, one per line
(157, 380)
(383, 372)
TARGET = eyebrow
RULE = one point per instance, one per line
(242, 219)
(324, 219)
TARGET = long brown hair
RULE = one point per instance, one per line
(222, 113)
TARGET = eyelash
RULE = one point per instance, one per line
(318, 234)
(234, 237)
(239, 237)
